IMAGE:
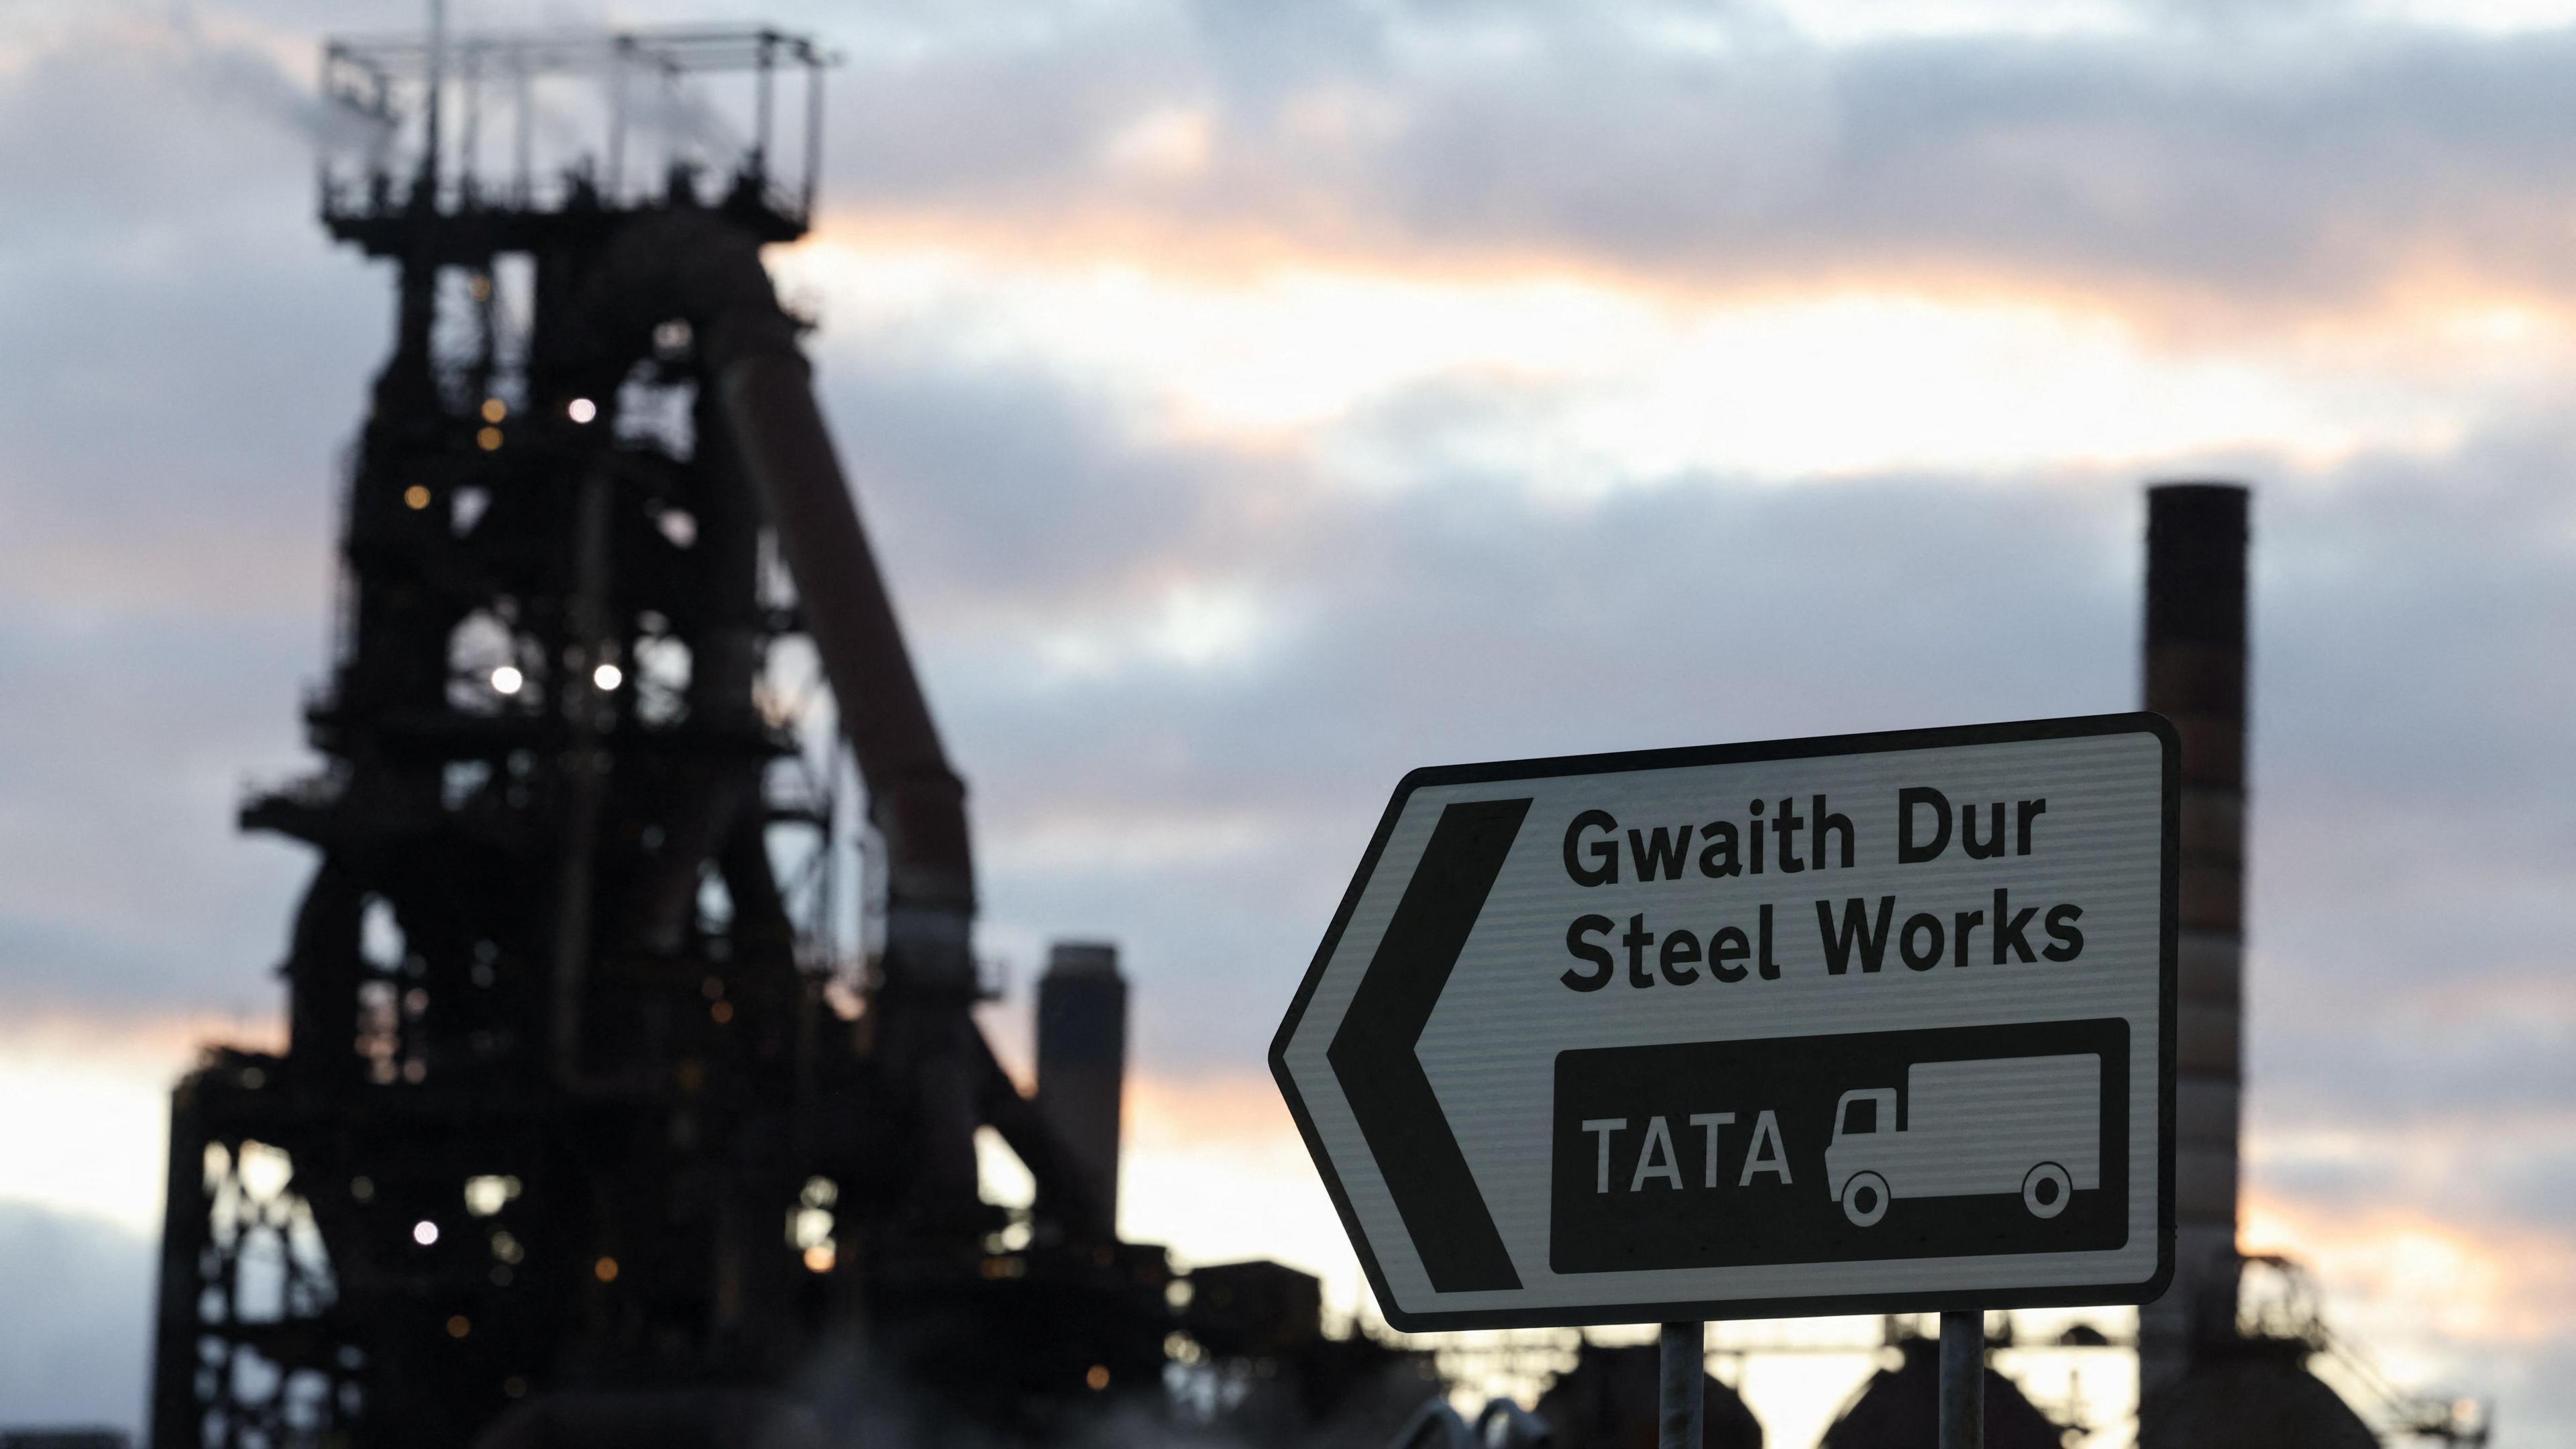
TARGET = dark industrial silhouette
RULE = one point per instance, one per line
(1897, 1408)
(1607, 1400)
(2219, 1367)
(604, 1104)
(2195, 676)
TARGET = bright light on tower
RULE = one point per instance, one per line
(608, 676)
(507, 679)
(581, 410)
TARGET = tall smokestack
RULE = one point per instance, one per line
(2195, 676)
(1082, 1060)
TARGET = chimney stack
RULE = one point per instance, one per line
(1082, 1060)
(2196, 677)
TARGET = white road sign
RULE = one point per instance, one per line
(1874, 1023)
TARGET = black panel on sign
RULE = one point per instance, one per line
(1873, 1145)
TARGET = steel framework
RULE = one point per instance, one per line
(597, 1079)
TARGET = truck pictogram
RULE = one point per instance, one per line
(2030, 1124)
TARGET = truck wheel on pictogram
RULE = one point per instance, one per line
(2045, 1190)
(1865, 1198)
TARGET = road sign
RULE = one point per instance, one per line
(1872, 1023)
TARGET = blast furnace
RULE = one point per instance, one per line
(613, 1095)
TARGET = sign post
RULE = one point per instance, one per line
(1963, 1380)
(1863, 1024)
(1683, 1400)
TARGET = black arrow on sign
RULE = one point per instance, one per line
(1373, 1053)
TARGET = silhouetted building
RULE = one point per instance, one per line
(2195, 667)
(1254, 1310)
(1082, 1060)
(1609, 1400)
(1899, 1408)
(2205, 1381)
(2250, 1394)
(598, 1120)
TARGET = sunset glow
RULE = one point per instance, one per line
(1581, 384)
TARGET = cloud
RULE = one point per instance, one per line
(2406, 1015)
(129, 746)
(191, 354)
(1592, 384)
(2186, 165)
(82, 1360)
(191, 358)
(2413, 1295)
(1475, 616)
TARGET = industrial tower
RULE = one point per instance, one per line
(601, 1079)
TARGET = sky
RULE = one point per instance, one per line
(1254, 402)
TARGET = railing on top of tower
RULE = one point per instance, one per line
(540, 124)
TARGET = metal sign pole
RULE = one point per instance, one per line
(1685, 1368)
(1963, 1380)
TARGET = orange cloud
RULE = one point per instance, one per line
(2433, 291)
(2403, 1270)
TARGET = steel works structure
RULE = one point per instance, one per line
(605, 1102)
